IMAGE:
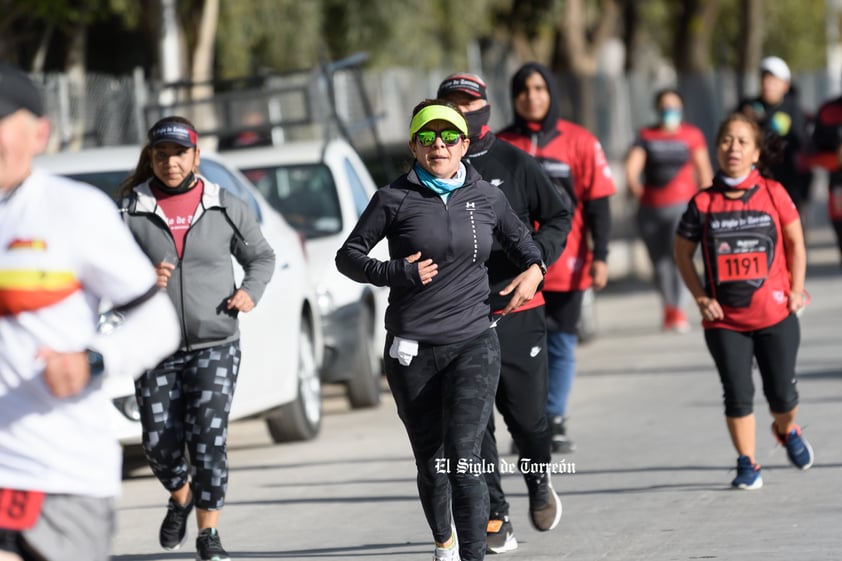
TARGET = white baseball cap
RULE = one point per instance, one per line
(776, 67)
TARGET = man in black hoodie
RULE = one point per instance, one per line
(522, 392)
(776, 110)
(573, 158)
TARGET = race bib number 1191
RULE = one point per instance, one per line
(741, 266)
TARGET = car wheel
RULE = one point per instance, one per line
(300, 419)
(364, 384)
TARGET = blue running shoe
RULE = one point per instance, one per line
(748, 475)
(798, 450)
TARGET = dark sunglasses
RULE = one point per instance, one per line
(448, 136)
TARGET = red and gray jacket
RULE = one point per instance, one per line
(576, 163)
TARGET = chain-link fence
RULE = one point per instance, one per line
(105, 110)
(94, 109)
(372, 110)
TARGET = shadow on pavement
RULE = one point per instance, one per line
(137, 463)
(364, 551)
(820, 375)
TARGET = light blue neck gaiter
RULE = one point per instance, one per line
(442, 187)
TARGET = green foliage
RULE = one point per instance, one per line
(792, 29)
(783, 20)
(287, 34)
(255, 35)
(68, 13)
(416, 33)
(657, 21)
(292, 34)
(795, 31)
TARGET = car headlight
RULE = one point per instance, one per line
(128, 407)
(324, 300)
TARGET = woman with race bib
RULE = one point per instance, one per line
(754, 268)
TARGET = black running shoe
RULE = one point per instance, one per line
(208, 546)
(500, 537)
(544, 504)
(173, 532)
(561, 443)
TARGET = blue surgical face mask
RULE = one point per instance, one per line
(670, 118)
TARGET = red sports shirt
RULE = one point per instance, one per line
(574, 159)
(669, 174)
(744, 254)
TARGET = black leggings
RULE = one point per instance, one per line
(10, 541)
(444, 398)
(775, 349)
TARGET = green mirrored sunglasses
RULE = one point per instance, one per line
(448, 136)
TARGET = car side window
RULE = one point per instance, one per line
(304, 194)
(108, 181)
(217, 173)
(358, 192)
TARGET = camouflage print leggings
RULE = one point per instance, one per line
(184, 405)
(444, 398)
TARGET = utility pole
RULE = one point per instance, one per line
(170, 50)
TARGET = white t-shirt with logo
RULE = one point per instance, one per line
(63, 250)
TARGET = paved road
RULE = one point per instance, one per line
(651, 472)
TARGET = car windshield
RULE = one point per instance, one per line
(108, 181)
(304, 194)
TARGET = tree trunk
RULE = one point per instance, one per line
(692, 61)
(631, 20)
(577, 54)
(202, 66)
(693, 35)
(750, 47)
(43, 46)
(204, 115)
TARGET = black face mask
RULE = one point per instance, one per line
(476, 120)
(182, 187)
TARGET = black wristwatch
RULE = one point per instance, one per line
(95, 362)
(542, 266)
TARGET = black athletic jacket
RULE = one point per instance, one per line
(458, 236)
(534, 199)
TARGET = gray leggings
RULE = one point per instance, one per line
(657, 227)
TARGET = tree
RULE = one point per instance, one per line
(579, 39)
(751, 42)
(694, 27)
(259, 35)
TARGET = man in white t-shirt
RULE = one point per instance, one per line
(63, 252)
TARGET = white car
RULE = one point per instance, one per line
(281, 338)
(322, 188)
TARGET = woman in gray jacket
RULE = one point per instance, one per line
(190, 229)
